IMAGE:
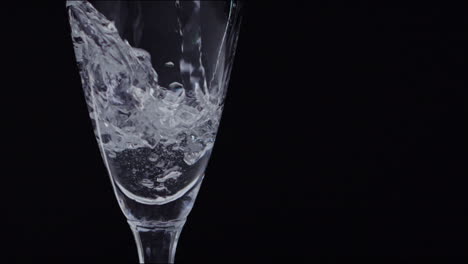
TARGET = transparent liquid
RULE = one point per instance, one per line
(155, 140)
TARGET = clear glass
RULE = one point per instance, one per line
(155, 75)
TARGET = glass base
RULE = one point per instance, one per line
(157, 244)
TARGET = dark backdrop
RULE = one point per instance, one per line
(342, 136)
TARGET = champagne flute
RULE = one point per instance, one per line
(155, 75)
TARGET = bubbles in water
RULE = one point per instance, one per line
(169, 64)
(123, 94)
(152, 135)
(147, 183)
(170, 175)
(176, 86)
(153, 157)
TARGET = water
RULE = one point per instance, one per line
(155, 140)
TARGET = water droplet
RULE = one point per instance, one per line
(170, 175)
(147, 183)
(160, 188)
(175, 85)
(153, 157)
(161, 164)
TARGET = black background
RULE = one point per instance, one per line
(342, 136)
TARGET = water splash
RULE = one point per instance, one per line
(151, 135)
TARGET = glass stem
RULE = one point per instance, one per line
(157, 243)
